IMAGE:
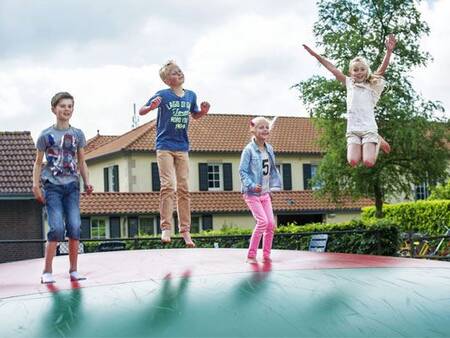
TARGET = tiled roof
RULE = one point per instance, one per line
(126, 141)
(294, 135)
(97, 141)
(121, 203)
(17, 154)
(221, 133)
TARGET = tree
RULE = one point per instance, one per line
(411, 124)
(441, 192)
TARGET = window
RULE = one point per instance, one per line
(155, 177)
(422, 191)
(280, 171)
(195, 224)
(215, 176)
(285, 172)
(111, 178)
(314, 170)
(99, 228)
(201, 223)
(309, 172)
(133, 225)
(147, 226)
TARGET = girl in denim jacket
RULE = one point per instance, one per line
(259, 176)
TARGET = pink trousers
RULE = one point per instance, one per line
(261, 208)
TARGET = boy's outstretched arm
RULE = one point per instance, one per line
(154, 104)
(327, 64)
(204, 108)
(390, 45)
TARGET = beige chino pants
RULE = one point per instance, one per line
(173, 169)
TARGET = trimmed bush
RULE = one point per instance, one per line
(428, 217)
(377, 238)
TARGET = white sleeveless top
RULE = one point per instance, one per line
(361, 101)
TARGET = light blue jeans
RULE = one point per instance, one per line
(62, 202)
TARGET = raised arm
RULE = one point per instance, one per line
(153, 104)
(390, 45)
(204, 108)
(327, 64)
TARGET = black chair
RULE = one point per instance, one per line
(111, 246)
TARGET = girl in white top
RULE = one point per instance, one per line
(363, 91)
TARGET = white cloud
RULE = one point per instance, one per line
(249, 64)
(104, 96)
(240, 56)
(433, 81)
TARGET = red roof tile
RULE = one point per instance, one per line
(17, 154)
(213, 202)
(220, 133)
(97, 141)
(124, 142)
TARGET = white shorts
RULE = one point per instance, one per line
(361, 137)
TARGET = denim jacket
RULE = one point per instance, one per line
(250, 169)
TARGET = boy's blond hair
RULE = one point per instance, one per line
(164, 71)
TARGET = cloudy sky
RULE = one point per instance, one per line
(241, 56)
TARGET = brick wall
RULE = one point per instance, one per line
(20, 220)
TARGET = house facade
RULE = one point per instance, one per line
(20, 214)
(124, 173)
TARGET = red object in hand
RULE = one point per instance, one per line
(38, 195)
(204, 107)
(88, 189)
(155, 103)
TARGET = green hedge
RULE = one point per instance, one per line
(382, 240)
(427, 217)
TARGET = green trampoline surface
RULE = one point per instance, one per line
(213, 293)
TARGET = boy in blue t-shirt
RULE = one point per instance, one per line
(175, 105)
(63, 147)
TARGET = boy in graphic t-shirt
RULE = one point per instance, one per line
(175, 105)
(63, 146)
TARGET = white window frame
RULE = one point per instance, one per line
(220, 166)
(107, 230)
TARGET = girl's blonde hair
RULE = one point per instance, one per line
(372, 79)
(256, 121)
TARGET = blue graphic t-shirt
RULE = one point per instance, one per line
(61, 152)
(173, 119)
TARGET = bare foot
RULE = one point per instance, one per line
(187, 239)
(165, 237)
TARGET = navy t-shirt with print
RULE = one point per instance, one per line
(173, 119)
